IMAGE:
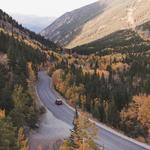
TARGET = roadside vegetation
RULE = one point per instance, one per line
(82, 135)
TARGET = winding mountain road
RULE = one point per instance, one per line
(111, 139)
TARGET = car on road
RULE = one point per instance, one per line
(58, 101)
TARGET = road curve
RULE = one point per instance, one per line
(107, 137)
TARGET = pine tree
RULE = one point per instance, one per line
(73, 140)
(83, 133)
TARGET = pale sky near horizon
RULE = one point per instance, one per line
(51, 8)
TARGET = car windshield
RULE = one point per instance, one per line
(58, 99)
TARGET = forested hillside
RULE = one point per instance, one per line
(21, 54)
(17, 110)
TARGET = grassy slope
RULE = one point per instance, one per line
(121, 41)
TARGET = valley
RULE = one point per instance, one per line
(83, 83)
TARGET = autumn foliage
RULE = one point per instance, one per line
(136, 117)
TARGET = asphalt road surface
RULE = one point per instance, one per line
(108, 138)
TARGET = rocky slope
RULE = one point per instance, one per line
(106, 16)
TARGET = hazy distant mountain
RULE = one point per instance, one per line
(34, 23)
(97, 20)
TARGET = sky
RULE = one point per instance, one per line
(50, 8)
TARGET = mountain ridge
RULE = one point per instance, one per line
(71, 20)
(114, 15)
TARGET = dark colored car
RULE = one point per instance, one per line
(58, 102)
